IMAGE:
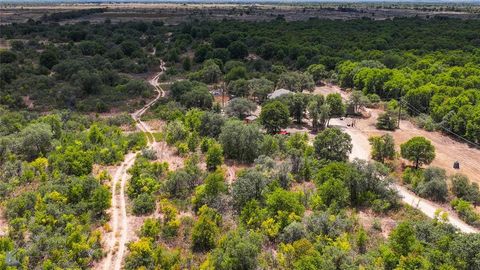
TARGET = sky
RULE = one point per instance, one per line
(238, 1)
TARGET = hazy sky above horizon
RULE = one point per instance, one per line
(237, 1)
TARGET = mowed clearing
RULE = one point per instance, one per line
(447, 149)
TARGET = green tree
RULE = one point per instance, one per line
(318, 72)
(143, 204)
(337, 108)
(209, 73)
(206, 229)
(465, 190)
(334, 194)
(89, 82)
(140, 255)
(402, 240)
(240, 108)
(187, 64)
(72, 159)
(237, 250)
(35, 140)
(332, 144)
(434, 184)
(211, 124)
(180, 183)
(238, 87)
(237, 73)
(209, 192)
(297, 104)
(179, 88)
(101, 200)
(274, 116)
(240, 141)
(319, 112)
(383, 147)
(248, 186)
(49, 58)
(284, 206)
(418, 150)
(214, 156)
(357, 100)
(238, 49)
(198, 97)
(150, 228)
(7, 57)
(296, 81)
(175, 132)
(260, 88)
(386, 121)
(362, 239)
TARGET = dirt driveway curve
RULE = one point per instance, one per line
(446, 149)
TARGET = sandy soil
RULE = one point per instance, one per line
(116, 240)
(367, 219)
(445, 148)
(3, 223)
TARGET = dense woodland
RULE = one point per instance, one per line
(297, 202)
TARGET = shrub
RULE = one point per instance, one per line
(465, 190)
(170, 229)
(149, 154)
(434, 185)
(386, 121)
(466, 211)
(150, 228)
(373, 98)
(426, 122)
(293, 232)
(182, 149)
(206, 230)
(144, 204)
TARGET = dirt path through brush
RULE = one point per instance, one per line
(119, 236)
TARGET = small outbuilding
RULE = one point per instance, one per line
(456, 165)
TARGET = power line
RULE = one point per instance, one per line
(440, 125)
(464, 160)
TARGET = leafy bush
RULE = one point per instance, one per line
(466, 211)
(434, 184)
(144, 204)
(149, 154)
(465, 190)
(386, 121)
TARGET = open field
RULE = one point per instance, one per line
(172, 13)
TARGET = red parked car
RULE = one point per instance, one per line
(283, 132)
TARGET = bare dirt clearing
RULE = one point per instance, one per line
(446, 150)
(3, 223)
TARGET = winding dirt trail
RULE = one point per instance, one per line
(119, 223)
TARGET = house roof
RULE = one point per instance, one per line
(279, 92)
